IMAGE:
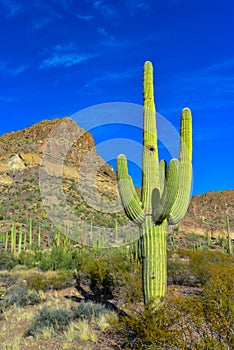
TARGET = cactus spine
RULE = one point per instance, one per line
(165, 194)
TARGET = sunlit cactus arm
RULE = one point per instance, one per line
(130, 200)
(185, 169)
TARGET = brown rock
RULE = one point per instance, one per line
(31, 159)
(15, 162)
(6, 180)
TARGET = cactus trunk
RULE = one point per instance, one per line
(154, 270)
(165, 194)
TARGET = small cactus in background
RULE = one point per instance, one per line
(229, 240)
(165, 194)
(13, 238)
(30, 233)
(20, 240)
(39, 238)
(6, 240)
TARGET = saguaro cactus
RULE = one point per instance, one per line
(165, 194)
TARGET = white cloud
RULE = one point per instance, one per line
(12, 71)
(65, 60)
(65, 55)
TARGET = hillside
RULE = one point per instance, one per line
(25, 153)
(207, 214)
(27, 162)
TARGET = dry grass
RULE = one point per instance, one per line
(79, 335)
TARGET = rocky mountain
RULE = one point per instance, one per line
(52, 153)
(207, 214)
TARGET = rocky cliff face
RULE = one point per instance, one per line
(63, 150)
(26, 148)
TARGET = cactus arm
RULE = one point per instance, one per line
(150, 132)
(181, 203)
(162, 204)
(162, 175)
(131, 203)
(170, 190)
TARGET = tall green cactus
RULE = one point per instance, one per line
(165, 194)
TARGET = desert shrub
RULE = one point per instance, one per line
(20, 296)
(37, 281)
(30, 258)
(58, 319)
(181, 323)
(60, 279)
(88, 310)
(130, 286)
(58, 258)
(203, 264)
(7, 260)
(7, 279)
(152, 330)
(179, 272)
(49, 280)
(203, 321)
(104, 270)
(218, 304)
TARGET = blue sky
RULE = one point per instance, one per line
(61, 56)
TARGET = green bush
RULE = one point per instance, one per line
(58, 258)
(203, 264)
(180, 273)
(7, 261)
(97, 271)
(30, 258)
(58, 319)
(20, 296)
(88, 310)
(56, 280)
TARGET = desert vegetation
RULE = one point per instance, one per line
(92, 298)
